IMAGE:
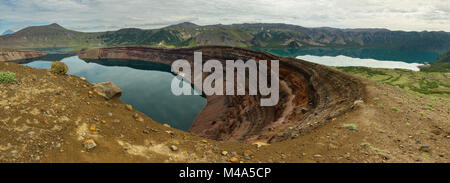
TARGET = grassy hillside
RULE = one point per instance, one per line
(436, 83)
(441, 65)
(242, 35)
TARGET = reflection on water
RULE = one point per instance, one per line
(409, 56)
(145, 85)
(344, 61)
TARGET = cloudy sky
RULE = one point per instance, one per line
(100, 15)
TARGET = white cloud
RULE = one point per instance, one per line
(89, 15)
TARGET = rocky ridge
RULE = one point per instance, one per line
(310, 94)
(9, 55)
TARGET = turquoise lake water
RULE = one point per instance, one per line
(145, 85)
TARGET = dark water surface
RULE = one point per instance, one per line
(145, 85)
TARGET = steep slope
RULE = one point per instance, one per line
(10, 55)
(131, 36)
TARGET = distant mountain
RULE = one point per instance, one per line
(52, 35)
(279, 35)
(243, 35)
(183, 25)
(7, 32)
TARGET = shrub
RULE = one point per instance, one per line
(7, 77)
(349, 126)
(365, 144)
(59, 68)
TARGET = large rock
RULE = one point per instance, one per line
(107, 89)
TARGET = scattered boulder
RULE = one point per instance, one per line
(358, 103)
(234, 160)
(304, 110)
(170, 132)
(174, 148)
(129, 107)
(317, 156)
(425, 148)
(89, 144)
(248, 153)
(140, 119)
(260, 144)
(92, 128)
(224, 153)
(107, 89)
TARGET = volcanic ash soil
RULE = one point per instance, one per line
(59, 118)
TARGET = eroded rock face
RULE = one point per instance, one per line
(107, 89)
(11, 55)
(310, 94)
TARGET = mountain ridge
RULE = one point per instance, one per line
(264, 35)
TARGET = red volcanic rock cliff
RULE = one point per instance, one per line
(310, 94)
(10, 55)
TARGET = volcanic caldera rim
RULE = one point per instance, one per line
(310, 94)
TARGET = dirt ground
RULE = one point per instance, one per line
(57, 118)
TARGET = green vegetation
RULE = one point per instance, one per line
(7, 77)
(427, 156)
(59, 68)
(394, 108)
(441, 65)
(435, 83)
(349, 126)
(242, 35)
(377, 150)
(365, 144)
